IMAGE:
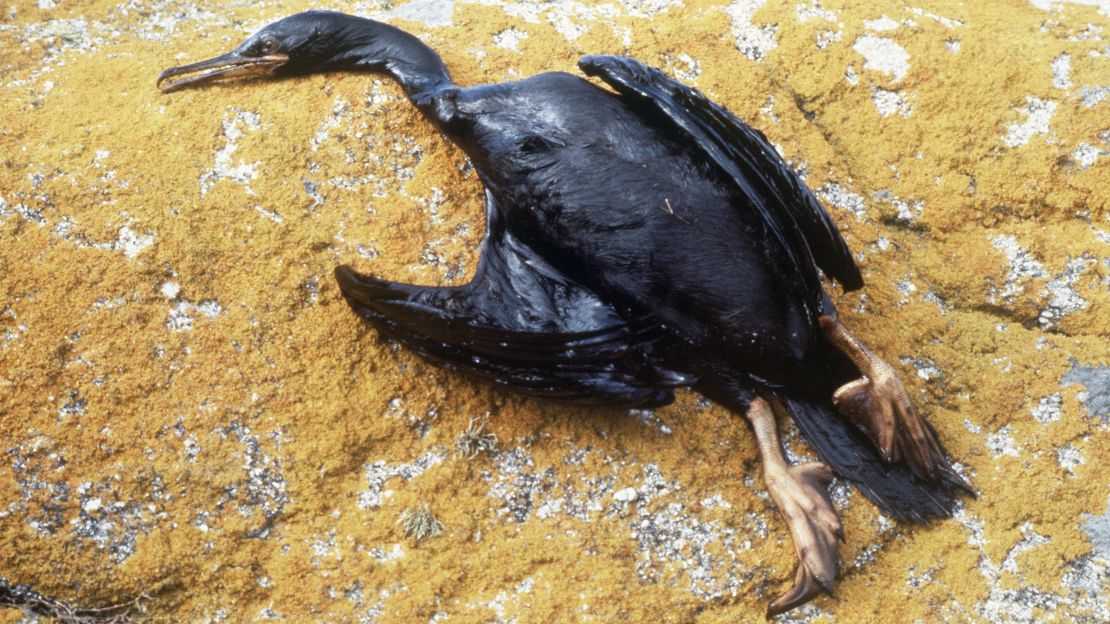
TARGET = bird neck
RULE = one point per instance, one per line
(415, 66)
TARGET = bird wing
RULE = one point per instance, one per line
(743, 155)
(522, 324)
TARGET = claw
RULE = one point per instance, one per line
(806, 587)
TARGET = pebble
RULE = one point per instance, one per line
(627, 495)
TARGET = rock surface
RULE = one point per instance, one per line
(194, 425)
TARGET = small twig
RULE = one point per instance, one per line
(33, 603)
(670, 210)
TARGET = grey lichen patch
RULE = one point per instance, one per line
(1087, 579)
(380, 472)
(14, 330)
(754, 41)
(30, 214)
(419, 523)
(188, 439)
(182, 314)
(368, 609)
(516, 483)
(509, 39)
(1001, 444)
(907, 288)
(850, 76)
(1061, 71)
(574, 19)
(940, 302)
(235, 123)
(113, 523)
(1097, 529)
(514, 597)
(44, 495)
(674, 543)
(475, 440)
(1084, 155)
(132, 243)
(1023, 266)
(1069, 458)
(269, 613)
(380, 554)
(1030, 539)
(324, 547)
(1023, 603)
(1063, 298)
(882, 24)
(62, 36)
(98, 513)
(926, 368)
(947, 22)
(1019, 606)
(1096, 383)
(814, 11)
(263, 491)
(1091, 96)
(651, 419)
(647, 8)
(74, 408)
(1048, 409)
(1038, 113)
(684, 67)
(169, 289)
(673, 539)
(429, 12)
(433, 204)
(883, 55)
(339, 114)
(361, 150)
(128, 241)
(901, 211)
(836, 195)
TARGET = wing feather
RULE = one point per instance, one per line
(521, 324)
(743, 154)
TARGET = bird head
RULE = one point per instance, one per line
(306, 42)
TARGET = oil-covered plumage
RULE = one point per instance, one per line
(639, 238)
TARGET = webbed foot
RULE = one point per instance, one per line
(803, 501)
(879, 404)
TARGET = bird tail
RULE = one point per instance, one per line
(852, 455)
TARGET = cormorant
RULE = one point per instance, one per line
(639, 239)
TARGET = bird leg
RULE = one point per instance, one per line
(800, 494)
(879, 404)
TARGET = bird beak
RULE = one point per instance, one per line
(225, 66)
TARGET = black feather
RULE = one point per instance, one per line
(894, 489)
(743, 153)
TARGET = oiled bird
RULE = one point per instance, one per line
(639, 239)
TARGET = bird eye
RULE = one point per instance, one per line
(268, 44)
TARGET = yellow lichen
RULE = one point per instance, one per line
(190, 410)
